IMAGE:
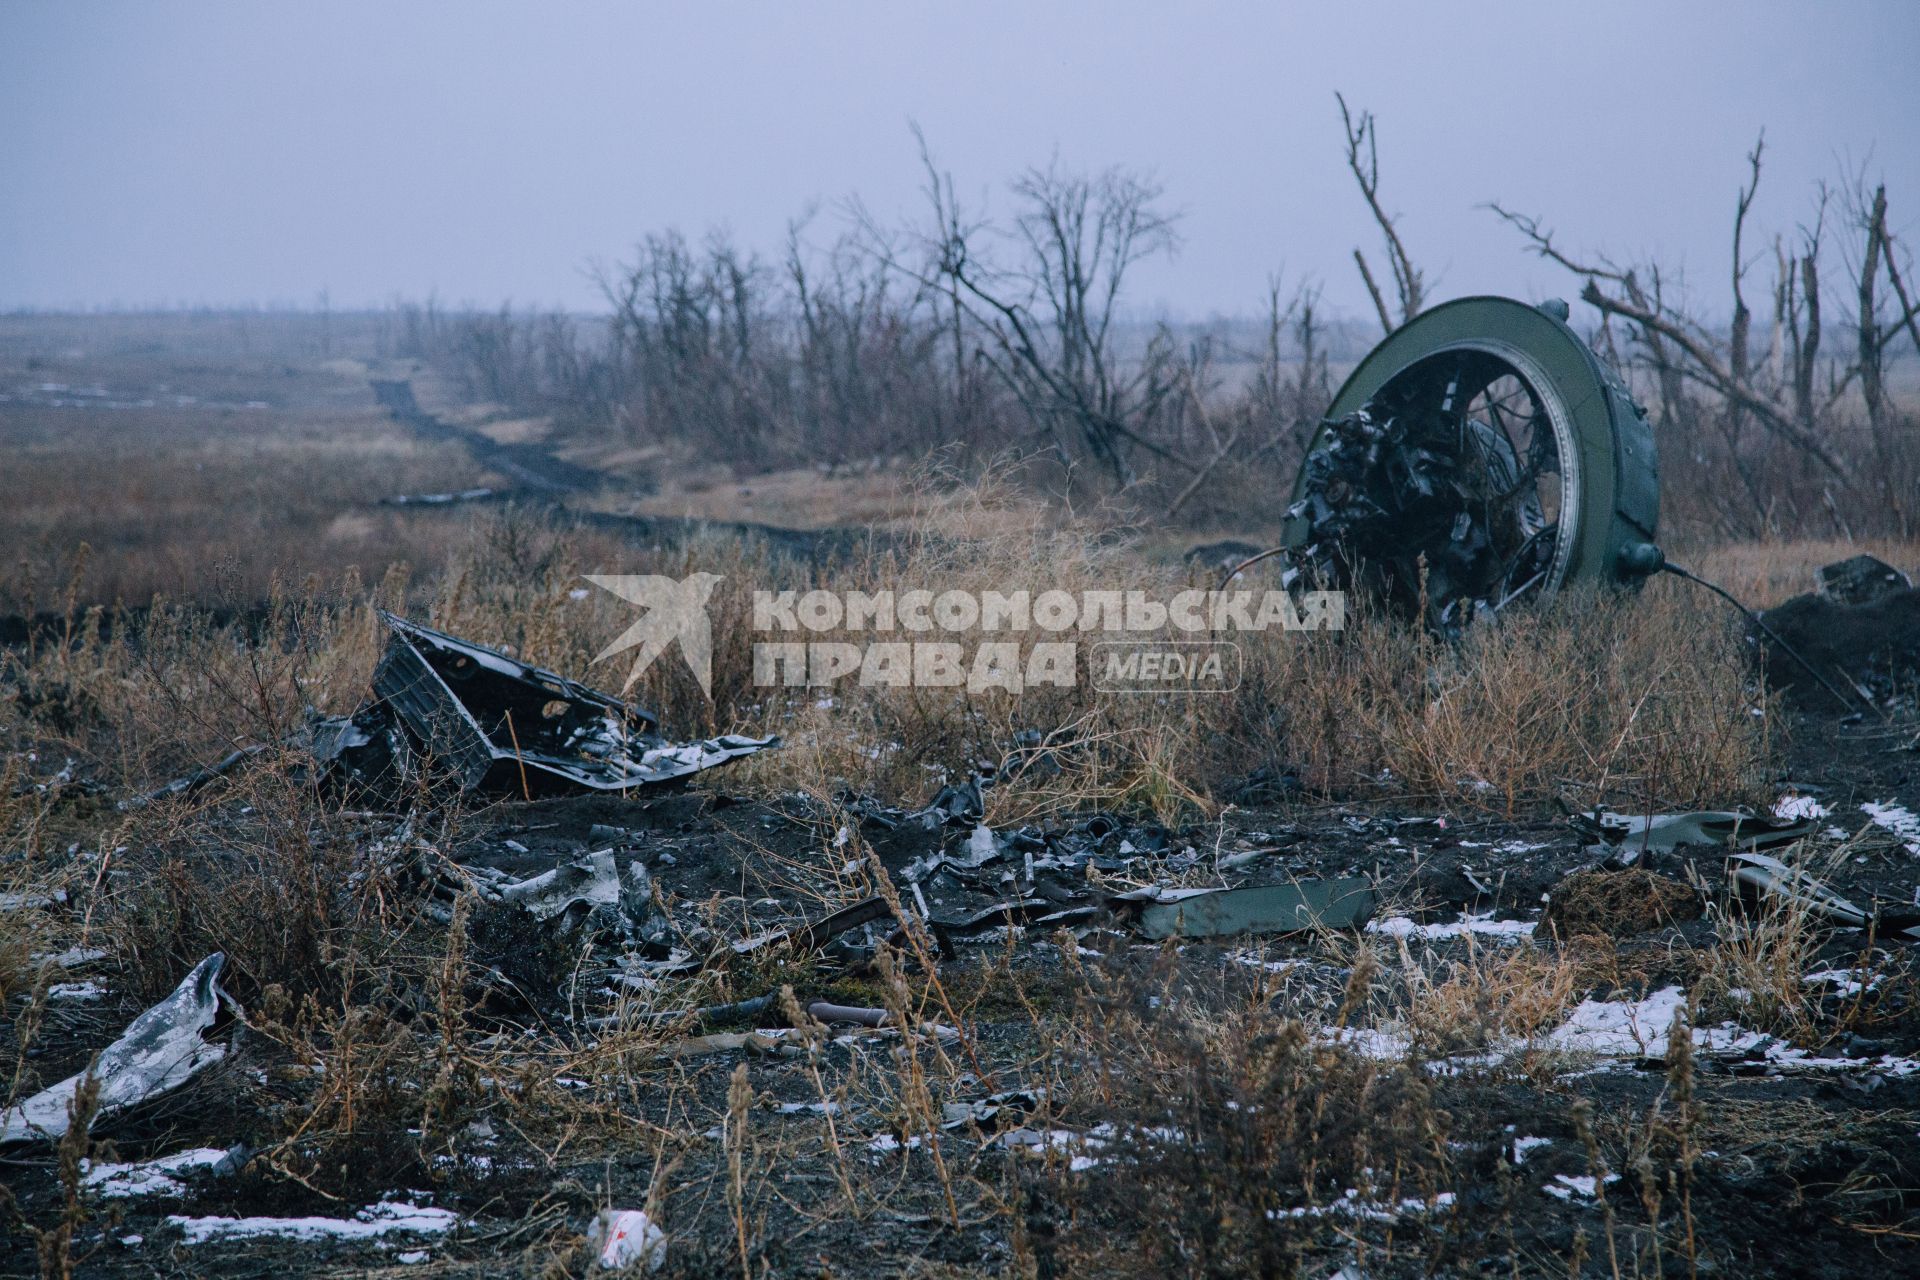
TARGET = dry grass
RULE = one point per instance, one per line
(1641, 700)
(1763, 574)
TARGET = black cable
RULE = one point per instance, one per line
(1669, 566)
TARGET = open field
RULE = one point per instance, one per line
(1531, 1056)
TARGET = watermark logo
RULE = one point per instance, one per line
(676, 609)
(1016, 639)
(1166, 666)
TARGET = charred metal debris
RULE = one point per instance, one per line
(496, 724)
(448, 710)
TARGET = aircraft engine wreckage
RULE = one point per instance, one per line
(1481, 454)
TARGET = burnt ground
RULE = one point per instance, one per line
(1804, 1171)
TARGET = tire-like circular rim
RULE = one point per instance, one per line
(1522, 366)
(1608, 462)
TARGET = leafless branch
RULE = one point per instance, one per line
(1363, 160)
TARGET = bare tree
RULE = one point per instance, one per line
(1679, 346)
(1045, 323)
(1363, 159)
(1800, 392)
(1796, 312)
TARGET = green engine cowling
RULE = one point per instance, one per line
(1610, 496)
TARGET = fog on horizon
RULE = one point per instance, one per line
(218, 154)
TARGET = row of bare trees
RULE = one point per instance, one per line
(950, 329)
(956, 328)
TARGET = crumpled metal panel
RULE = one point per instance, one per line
(159, 1051)
(497, 723)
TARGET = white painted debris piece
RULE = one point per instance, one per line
(389, 1217)
(160, 1050)
(626, 1238)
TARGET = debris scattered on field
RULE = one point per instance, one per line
(1775, 879)
(1452, 474)
(591, 881)
(1418, 507)
(194, 781)
(506, 726)
(159, 1051)
(992, 1108)
(848, 1015)
(624, 1238)
(1793, 808)
(496, 724)
(1862, 624)
(1859, 580)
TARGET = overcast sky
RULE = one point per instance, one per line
(174, 154)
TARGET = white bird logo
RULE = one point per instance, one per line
(676, 609)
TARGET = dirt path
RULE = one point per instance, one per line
(530, 466)
(542, 476)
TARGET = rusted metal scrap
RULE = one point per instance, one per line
(496, 724)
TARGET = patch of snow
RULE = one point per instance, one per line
(1255, 961)
(1522, 1147)
(371, 1223)
(1370, 1042)
(1900, 820)
(75, 991)
(1037, 1142)
(1350, 1205)
(1508, 931)
(148, 1177)
(888, 1142)
(1638, 1028)
(1566, 1186)
(1845, 982)
(1794, 808)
